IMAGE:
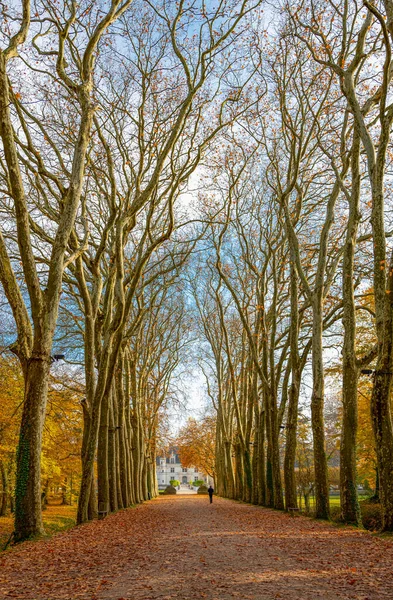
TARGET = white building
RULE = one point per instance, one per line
(169, 468)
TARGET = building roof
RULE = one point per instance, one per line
(172, 452)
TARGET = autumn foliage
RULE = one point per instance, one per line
(196, 444)
(60, 459)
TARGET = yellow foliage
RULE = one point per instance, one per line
(62, 435)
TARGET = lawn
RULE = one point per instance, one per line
(333, 500)
(56, 518)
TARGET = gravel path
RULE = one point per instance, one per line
(184, 548)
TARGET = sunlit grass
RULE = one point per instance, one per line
(56, 518)
(334, 501)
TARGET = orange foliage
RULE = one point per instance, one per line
(196, 443)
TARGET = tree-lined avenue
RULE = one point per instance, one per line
(182, 547)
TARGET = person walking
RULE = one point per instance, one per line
(211, 492)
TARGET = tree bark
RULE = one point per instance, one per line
(322, 509)
(350, 509)
(4, 491)
(112, 467)
(28, 515)
(102, 458)
(291, 427)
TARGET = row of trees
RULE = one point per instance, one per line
(171, 170)
(299, 256)
(106, 111)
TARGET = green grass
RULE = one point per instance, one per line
(333, 500)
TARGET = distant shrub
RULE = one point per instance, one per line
(335, 512)
(198, 483)
(202, 489)
(371, 515)
(175, 482)
(170, 490)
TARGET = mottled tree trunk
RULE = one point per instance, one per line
(322, 509)
(145, 487)
(112, 471)
(118, 410)
(247, 465)
(255, 453)
(381, 394)
(239, 472)
(278, 501)
(292, 416)
(269, 451)
(28, 516)
(91, 508)
(350, 510)
(262, 460)
(108, 361)
(221, 482)
(376, 153)
(102, 458)
(130, 457)
(124, 452)
(229, 473)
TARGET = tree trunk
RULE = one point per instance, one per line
(92, 509)
(102, 390)
(376, 495)
(290, 447)
(247, 490)
(376, 153)
(261, 460)
(292, 416)
(229, 474)
(322, 509)
(278, 501)
(28, 516)
(4, 485)
(350, 510)
(382, 425)
(239, 479)
(112, 470)
(117, 409)
(255, 453)
(269, 451)
(381, 403)
(102, 459)
(145, 487)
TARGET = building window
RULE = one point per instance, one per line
(163, 480)
(172, 479)
(195, 478)
(173, 460)
(162, 471)
(195, 470)
(184, 470)
(172, 469)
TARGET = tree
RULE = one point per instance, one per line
(196, 444)
(348, 51)
(35, 337)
